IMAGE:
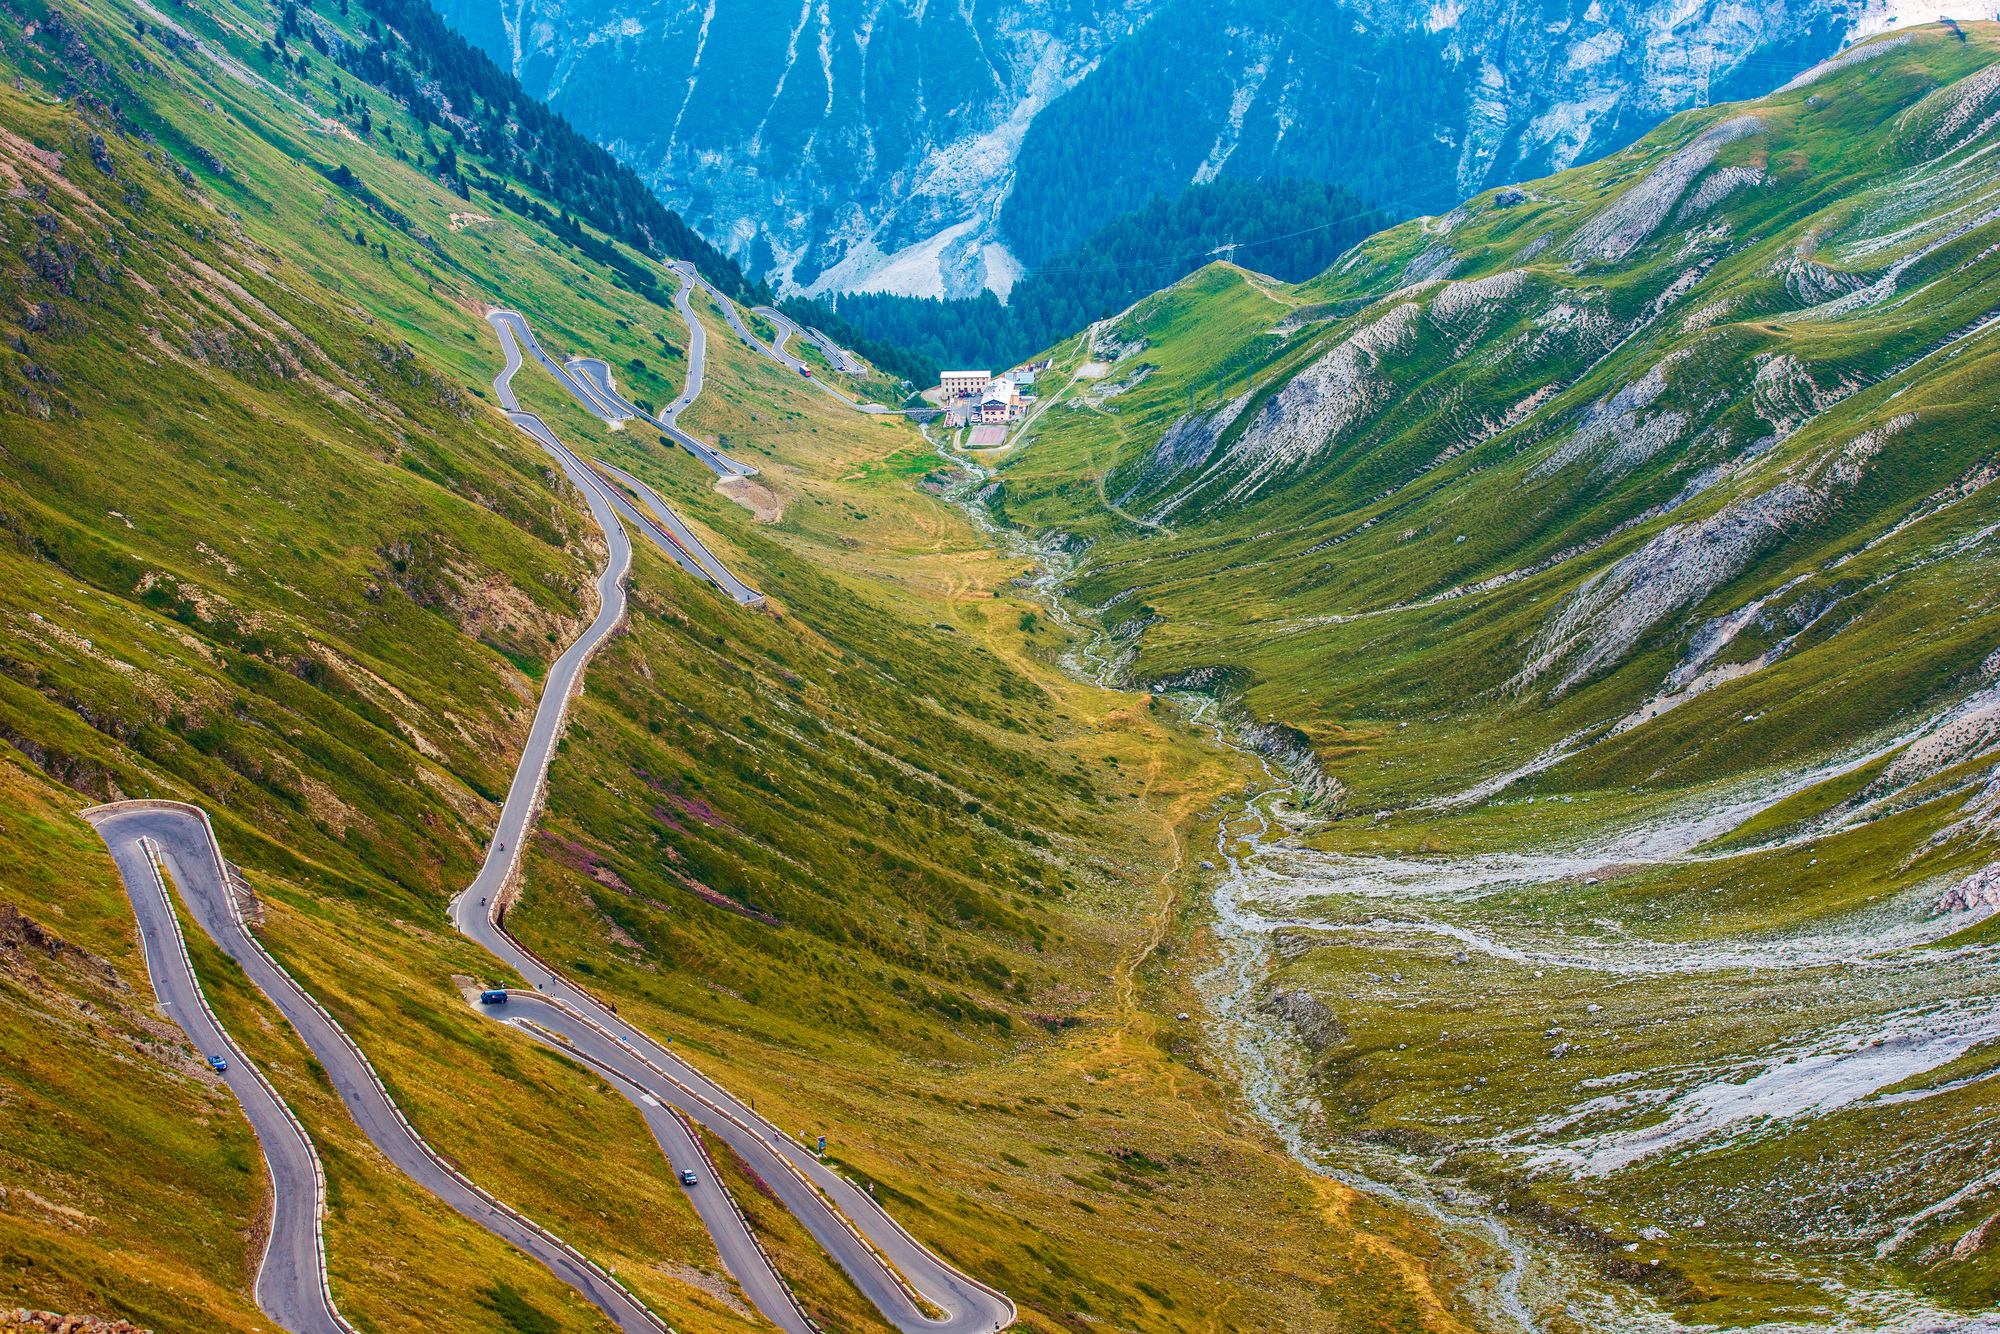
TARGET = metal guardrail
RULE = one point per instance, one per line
(548, 1035)
(152, 852)
(701, 1147)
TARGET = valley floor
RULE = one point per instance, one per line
(863, 850)
(928, 840)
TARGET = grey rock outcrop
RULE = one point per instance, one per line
(1318, 1027)
(864, 145)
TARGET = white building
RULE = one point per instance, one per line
(1000, 403)
(962, 384)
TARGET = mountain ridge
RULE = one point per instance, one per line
(934, 154)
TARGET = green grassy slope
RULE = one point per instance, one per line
(1446, 463)
(869, 852)
(1639, 490)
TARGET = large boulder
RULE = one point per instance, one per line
(1310, 1017)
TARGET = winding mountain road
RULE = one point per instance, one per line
(839, 357)
(292, 1286)
(670, 534)
(777, 353)
(725, 578)
(591, 386)
(737, 1247)
(883, 1260)
(892, 1268)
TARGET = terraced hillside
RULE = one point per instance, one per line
(1610, 562)
(866, 853)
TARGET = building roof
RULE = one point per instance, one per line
(982, 374)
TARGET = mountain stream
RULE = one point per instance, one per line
(1868, 1005)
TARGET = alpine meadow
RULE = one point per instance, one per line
(572, 767)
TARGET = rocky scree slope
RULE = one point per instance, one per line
(1619, 547)
(1611, 426)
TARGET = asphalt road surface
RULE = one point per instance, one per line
(669, 534)
(874, 1242)
(884, 1261)
(841, 359)
(179, 835)
(750, 340)
(681, 534)
(517, 324)
(738, 1249)
(697, 358)
(595, 393)
(291, 1276)
(595, 372)
(645, 1068)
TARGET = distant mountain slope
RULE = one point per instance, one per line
(865, 145)
(1410, 106)
(448, 83)
(1709, 338)
(1286, 227)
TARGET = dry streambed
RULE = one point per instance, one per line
(1569, 1051)
(1632, 1097)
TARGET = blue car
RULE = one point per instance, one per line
(497, 997)
(688, 1177)
(217, 1064)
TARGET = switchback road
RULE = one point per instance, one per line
(725, 578)
(291, 1283)
(882, 1259)
(837, 356)
(777, 354)
(670, 534)
(737, 1247)
(594, 392)
(894, 1270)
(292, 1287)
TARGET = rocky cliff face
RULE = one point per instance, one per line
(1554, 85)
(876, 145)
(849, 143)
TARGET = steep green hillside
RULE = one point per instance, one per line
(1658, 490)
(1753, 340)
(867, 853)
